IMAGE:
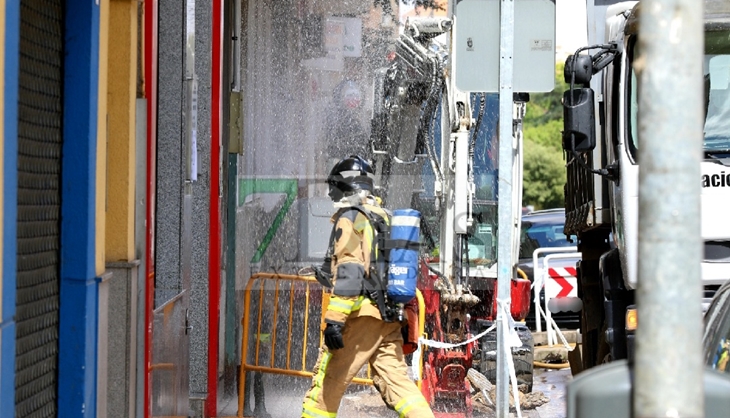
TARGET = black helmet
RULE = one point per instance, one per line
(350, 175)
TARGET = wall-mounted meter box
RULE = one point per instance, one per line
(477, 46)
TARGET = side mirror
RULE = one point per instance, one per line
(578, 69)
(579, 128)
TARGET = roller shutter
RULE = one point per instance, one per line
(39, 202)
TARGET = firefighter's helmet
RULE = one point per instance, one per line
(349, 176)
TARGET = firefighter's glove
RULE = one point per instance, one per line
(333, 336)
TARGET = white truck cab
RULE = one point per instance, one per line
(602, 193)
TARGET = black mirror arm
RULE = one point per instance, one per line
(604, 57)
(610, 172)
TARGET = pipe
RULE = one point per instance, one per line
(150, 87)
(214, 241)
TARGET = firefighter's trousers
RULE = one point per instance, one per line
(366, 339)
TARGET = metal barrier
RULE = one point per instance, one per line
(539, 281)
(552, 290)
(302, 289)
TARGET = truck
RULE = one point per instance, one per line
(600, 140)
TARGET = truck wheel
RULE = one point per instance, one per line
(590, 289)
(522, 357)
(487, 364)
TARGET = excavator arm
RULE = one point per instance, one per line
(420, 117)
(406, 97)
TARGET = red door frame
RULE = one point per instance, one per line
(214, 242)
(150, 89)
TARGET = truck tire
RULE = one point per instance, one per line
(592, 245)
(616, 300)
(522, 357)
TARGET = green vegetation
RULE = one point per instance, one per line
(544, 164)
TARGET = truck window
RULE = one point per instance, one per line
(716, 67)
(717, 122)
(717, 93)
(633, 101)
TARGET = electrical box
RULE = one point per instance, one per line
(477, 46)
(315, 227)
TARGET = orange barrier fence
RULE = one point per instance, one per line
(282, 309)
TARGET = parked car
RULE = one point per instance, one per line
(544, 229)
(716, 336)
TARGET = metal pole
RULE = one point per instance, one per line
(668, 365)
(505, 262)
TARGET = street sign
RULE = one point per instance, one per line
(477, 46)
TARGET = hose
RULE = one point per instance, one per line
(554, 366)
(429, 116)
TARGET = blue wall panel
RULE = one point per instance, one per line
(79, 289)
(10, 206)
(7, 368)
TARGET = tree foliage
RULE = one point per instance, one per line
(544, 176)
(543, 164)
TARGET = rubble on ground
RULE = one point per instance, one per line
(481, 386)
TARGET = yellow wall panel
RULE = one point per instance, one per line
(102, 131)
(122, 91)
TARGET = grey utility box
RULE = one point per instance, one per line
(476, 51)
(605, 392)
(315, 228)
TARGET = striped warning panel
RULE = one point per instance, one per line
(562, 283)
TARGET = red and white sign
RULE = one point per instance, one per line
(561, 283)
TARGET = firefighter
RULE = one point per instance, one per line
(358, 328)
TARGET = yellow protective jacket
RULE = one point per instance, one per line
(353, 241)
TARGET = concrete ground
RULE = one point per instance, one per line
(283, 394)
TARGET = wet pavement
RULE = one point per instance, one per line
(283, 398)
(552, 383)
